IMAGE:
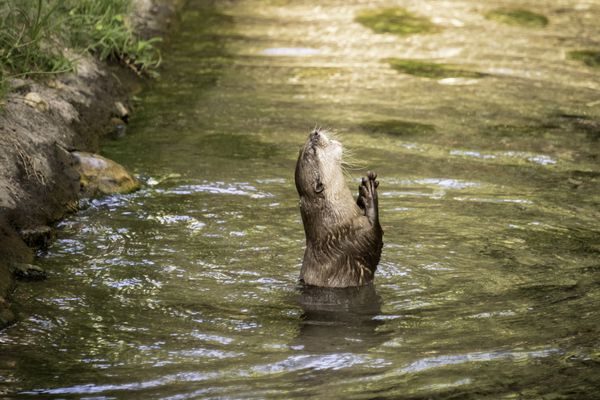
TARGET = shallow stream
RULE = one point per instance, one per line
(489, 284)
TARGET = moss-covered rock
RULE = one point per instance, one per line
(397, 127)
(518, 17)
(395, 20)
(431, 70)
(101, 176)
(591, 58)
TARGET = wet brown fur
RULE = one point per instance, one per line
(343, 236)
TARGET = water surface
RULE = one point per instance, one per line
(489, 284)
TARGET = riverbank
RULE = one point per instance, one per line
(41, 123)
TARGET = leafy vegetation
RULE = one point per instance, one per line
(591, 58)
(35, 33)
(27, 43)
(518, 17)
(431, 70)
(395, 20)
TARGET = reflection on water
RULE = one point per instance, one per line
(339, 320)
(489, 281)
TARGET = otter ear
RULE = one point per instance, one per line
(318, 185)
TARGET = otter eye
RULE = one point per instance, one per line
(319, 187)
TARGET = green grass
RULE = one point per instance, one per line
(397, 127)
(100, 27)
(397, 21)
(431, 70)
(591, 58)
(518, 17)
(34, 33)
(29, 40)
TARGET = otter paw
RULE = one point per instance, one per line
(367, 195)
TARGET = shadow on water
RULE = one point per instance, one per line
(339, 320)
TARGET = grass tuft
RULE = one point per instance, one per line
(29, 40)
(518, 17)
(100, 27)
(34, 34)
(395, 20)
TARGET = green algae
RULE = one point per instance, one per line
(560, 123)
(591, 58)
(317, 73)
(518, 17)
(397, 127)
(396, 20)
(518, 130)
(431, 70)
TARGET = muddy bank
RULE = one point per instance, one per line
(41, 124)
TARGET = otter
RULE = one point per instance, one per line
(343, 235)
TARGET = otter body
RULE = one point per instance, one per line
(343, 235)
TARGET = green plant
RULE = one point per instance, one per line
(101, 27)
(34, 33)
(28, 40)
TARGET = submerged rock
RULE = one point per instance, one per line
(518, 17)
(119, 128)
(38, 236)
(395, 20)
(591, 58)
(427, 69)
(27, 272)
(6, 315)
(101, 176)
(397, 127)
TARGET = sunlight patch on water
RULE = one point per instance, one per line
(290, 52)
(540, 159)
(471, 153)
(169, 219)
(442, 361)
(235, 188)
(492, 200)
(444, 183)
(458, 81)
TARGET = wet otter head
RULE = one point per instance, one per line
(319, 167)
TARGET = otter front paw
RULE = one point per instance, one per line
(367, 196)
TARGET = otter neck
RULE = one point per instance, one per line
(326, 214)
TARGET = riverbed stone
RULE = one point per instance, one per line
(518, 17)
(395, 20)
(591, 58)
(27, 272)
(6, 315)
(118, 128)
(39, 236)
(102, 176)
(427, 69)
(35, 100)
(397, 127)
